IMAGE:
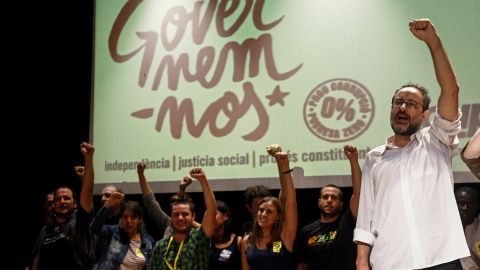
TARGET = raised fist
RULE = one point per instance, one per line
(273, 149)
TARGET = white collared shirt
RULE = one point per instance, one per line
(407, 211)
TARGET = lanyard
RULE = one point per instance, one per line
(178, 253)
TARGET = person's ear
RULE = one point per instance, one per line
(425, 115)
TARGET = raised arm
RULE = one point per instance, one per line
(144, 186)
(79, 171)
(98, 224)
(447, 105)
(472, 150)
(86, 195)
(161, 219)
(291, 215)
(115, 199)
(352, 155)
(186, 181)
(272, 150)
(471, 154)
(208, 222)
(288, 190)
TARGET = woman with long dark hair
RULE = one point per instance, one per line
(225, 249)
(270, 243)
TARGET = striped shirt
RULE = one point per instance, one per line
(134, 259)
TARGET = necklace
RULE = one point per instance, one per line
(266, 237)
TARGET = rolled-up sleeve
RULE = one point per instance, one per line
(447, 131)
(363, 232)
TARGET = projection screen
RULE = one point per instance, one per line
(182, 84)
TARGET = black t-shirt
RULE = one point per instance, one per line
(68, 245)
(228, 258)
(57, 252)
(328, 245)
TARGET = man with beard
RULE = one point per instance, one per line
(187, 247)
(67, 242)
(468, 207)
(408, 217)
(327, 243)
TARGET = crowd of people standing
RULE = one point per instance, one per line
(402, 207)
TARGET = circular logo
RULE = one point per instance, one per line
(338, 110)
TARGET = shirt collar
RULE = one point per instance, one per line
(417, 136)
(186, 238)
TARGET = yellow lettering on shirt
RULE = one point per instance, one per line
(277, 245)
(322, 239)
(477, 244)
(312, 240)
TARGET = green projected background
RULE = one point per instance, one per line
(181, 84)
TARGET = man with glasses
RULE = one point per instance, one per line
(408, 217)
(100, 244)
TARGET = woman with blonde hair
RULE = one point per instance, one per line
(270, 243)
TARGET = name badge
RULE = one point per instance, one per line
(277, 245)
(225, 255)
(139, 253)
(477, 244)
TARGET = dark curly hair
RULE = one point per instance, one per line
(426, 97)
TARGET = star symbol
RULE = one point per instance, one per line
(277, 96)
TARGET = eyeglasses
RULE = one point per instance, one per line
(410, 104)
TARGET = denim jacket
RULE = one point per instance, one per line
(119, 244)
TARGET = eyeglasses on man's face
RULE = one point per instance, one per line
(411, 104)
